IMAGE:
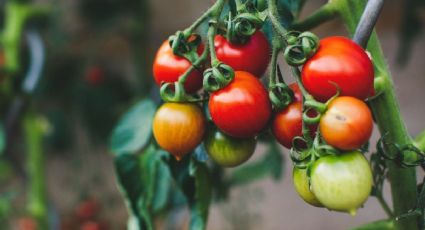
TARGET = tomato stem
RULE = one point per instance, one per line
(199, 21)
(320, 16)
(386, 110)
(275, 19)
(36, 204)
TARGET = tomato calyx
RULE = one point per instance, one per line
(300, 48)
(185, 44)
(217, 77)
(247, 21)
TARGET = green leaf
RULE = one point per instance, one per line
(2, 139)
(145, 182)
(193, 179)
(270, 165)
(377, 225)
(128, 175)
(134, 129)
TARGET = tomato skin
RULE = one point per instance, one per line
(287, 123)
(347, 124)
(179, 128)
(252, 56)
(168, 67)
(301, 184)
(242, 108)
(228, 151)
(342, 182)
(343, 62)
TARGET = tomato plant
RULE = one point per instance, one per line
(168, 67)
(242, 108)
(179, 128)
(334, 76)
(342, 182)
(228, 151)
(252, 56)
(338, 64)
(347, 124)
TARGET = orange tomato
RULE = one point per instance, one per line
(179, 128)
(347, 124)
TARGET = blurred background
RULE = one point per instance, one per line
(99, 55)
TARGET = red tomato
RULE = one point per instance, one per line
(342, 62)
(168, 67)
(287, 123)
(27, 223)
(94, 75)
(87, 209)
(252, 56)
(93, 225)
(242, 108)
(347, 124)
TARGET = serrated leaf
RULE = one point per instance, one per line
(134, 129)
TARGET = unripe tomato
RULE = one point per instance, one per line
(301, 184)
(179, 127)
(252, 56)
(242, 108)
(287, 123)
(342, 182)
(342, 62)
(168, 67)
(347, 124)
(228, 151)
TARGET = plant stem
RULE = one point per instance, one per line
(322, 15)
(35, 169)
(386, 110)
(275, 54)
(198, 21)
(212, 30)
(420, 141)
(385, 206)
(274, 19)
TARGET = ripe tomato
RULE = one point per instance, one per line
(301, 184)
(27, 223)
(287, 123)
(95, 76)
(347, 124)
(252, 56)
(342, 62)
(342, 182)
(228, 151)
(242, 108)
(168, 67)
(179, 127)
(87, 209)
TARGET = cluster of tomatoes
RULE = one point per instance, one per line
(338, 76)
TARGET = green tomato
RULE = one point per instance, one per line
(301, 184)
(228, 151)
(342, 182)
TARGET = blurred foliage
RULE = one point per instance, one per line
(410, 28)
